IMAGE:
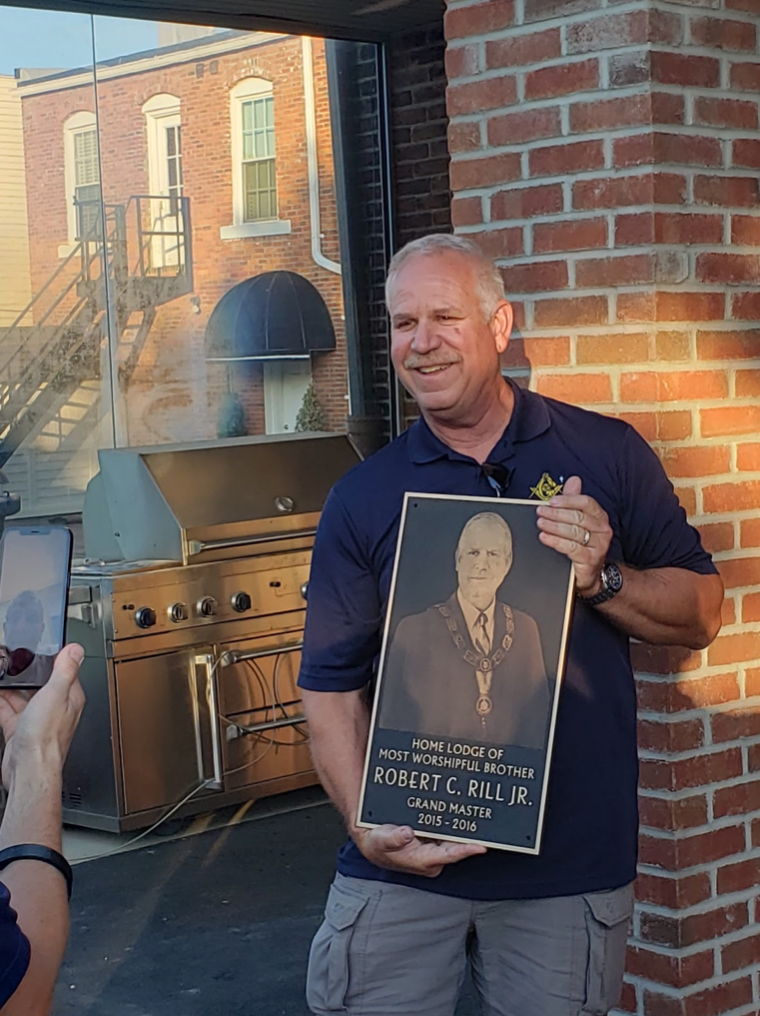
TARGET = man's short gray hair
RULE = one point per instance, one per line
(490, 285)
(491, 519)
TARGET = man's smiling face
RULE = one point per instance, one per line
(445, 352)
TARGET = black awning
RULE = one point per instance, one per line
(275, 314)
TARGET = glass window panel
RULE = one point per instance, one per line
(55, 409)
(86, 167)
(248, 116)
(151, 378)
(89, 211)
(261, 197)
(169, 386)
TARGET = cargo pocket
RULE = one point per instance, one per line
(329, 960)
(608, 915)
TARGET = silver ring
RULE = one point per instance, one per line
(586, 538)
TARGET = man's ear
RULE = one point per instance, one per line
(501, 325)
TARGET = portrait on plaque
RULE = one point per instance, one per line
(469, 675)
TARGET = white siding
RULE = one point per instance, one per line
(15, 283)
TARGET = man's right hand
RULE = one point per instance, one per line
(397, 848)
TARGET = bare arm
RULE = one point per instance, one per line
(339, 727)
(665, 606)
(38, 891)
(38, 734)
(338, 730)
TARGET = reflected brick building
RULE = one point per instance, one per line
(234, 128)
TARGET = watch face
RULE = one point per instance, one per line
(613, 578)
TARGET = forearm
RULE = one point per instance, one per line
(667, 606)
(38, 891)
(338, 731)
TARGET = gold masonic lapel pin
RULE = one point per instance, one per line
(546, 488)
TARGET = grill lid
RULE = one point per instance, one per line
(177, 502)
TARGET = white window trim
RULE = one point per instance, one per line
(157, 110)
(161, 112)
(75, 124)
(243, 91)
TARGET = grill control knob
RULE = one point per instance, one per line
(207, 606)
(241, 602)
(145, 617)
(178, 612)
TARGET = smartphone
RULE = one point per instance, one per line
(35, 566)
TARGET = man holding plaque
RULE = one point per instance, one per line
(471, 667)
(543, 934)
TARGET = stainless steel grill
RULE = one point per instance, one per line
(190, 606)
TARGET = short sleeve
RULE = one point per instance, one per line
(655, 531)
(343, 614)
(14, 948)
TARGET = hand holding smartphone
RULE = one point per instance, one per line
(35, 565)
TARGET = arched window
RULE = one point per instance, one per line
(82, 176)
(254, 162)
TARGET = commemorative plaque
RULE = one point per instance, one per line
(470, 672)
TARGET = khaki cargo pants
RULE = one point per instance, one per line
(386, 950)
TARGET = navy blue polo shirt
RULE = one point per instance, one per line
(14, 948)
(591, 819)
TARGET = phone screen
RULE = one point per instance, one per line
(34, 580)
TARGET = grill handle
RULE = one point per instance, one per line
(231, 656)
(257, 728)
(209, 663)
(195, 547)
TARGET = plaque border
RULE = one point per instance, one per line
(567, 618)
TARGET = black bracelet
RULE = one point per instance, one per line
(36, 852)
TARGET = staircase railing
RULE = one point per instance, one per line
(35, 343)
(67, 311)
(180, 234)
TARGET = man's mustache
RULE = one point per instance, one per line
(414, 362)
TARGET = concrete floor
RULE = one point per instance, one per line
(215, 920)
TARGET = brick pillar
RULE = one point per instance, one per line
(609, 159)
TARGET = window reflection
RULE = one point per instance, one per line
(54, 373)
(204, 173)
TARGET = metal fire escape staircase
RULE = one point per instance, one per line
(45, 365)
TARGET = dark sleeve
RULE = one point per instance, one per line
(14, 948)
(655, 531)
(343, 614)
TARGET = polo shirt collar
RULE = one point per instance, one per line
(530, 417)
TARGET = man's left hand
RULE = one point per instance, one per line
(577, 526)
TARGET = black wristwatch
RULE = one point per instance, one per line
(612, 583)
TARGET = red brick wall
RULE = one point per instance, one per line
(609, 159)
(168, 390)
(421, 191)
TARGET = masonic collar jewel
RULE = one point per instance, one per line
(546, 488)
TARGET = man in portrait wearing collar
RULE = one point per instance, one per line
(472, 667)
